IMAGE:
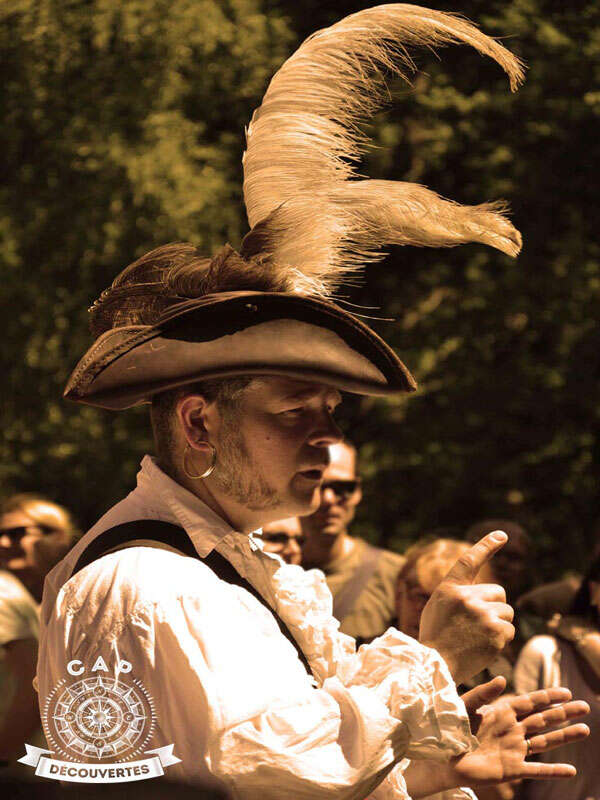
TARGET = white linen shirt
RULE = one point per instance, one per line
(229, 690)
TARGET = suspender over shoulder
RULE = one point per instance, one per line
(146, 531)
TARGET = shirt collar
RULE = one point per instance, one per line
(204, 527)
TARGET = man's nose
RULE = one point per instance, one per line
(326, 434)
(5, 540)
(328, 496)
(292, 551)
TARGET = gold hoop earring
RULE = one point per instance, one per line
(208, 471)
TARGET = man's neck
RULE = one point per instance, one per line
(236, 514)
(322, 549)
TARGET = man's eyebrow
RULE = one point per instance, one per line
(304, 394)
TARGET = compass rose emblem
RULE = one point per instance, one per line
(99, 718)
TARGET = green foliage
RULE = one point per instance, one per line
(123, 129)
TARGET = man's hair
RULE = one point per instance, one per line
(225, 392)
(43, 512)
(437, 557)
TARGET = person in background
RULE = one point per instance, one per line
(427, 563)
(362, 578)
(34, 535)
(227, 350)
(284, 538)
(569, 655)
(514, 573)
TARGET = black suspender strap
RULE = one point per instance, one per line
(174, 536)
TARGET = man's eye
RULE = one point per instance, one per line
(293, 410)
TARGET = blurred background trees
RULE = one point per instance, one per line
(123, 129)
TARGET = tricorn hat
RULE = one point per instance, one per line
(173, 317)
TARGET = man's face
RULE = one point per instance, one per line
(284, 537)
(340, 494)
(272, 448)
(19, 538)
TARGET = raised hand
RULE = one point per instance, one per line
(468, 623)
(508, 730)
(517, 726)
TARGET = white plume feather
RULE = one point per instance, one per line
(308, 210)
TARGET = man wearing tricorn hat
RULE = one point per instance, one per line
(243, 358)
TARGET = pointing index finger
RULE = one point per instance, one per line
(468, 565)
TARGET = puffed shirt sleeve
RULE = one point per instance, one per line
(232, 696)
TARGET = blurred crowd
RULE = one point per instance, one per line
(557, 640)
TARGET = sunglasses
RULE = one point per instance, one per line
(342, 489)
(281, 539)
(20, 531)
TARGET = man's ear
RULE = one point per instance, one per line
(198, 420)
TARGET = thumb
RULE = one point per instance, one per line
(468, 565)
(483, 694)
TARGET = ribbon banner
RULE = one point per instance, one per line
(141, 770)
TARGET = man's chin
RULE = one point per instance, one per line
(305, 496)
(331, 530)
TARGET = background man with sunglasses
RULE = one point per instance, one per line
(362, 578)
(34, 535)
(285, 538)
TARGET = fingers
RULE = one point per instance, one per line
(525, 704)
(548, 741)
(552, 717)
(502, 611)
(468, 565)
(483, 694)
(504, 633)
(539, 770)
(492, 592)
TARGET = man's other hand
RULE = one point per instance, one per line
(468, 623)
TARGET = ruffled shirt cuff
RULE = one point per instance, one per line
(411, 680)
(416, 686)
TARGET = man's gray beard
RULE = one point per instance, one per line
(237, 476)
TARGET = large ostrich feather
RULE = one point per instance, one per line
(309, 211)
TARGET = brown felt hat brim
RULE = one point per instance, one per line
(238, 333)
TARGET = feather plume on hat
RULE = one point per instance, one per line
(175, 316)
(313, 220)
(308, 210)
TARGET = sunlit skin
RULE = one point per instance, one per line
(285, 426)
(282, 436)
(284, 537)
(326, 530)
(416, 586)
